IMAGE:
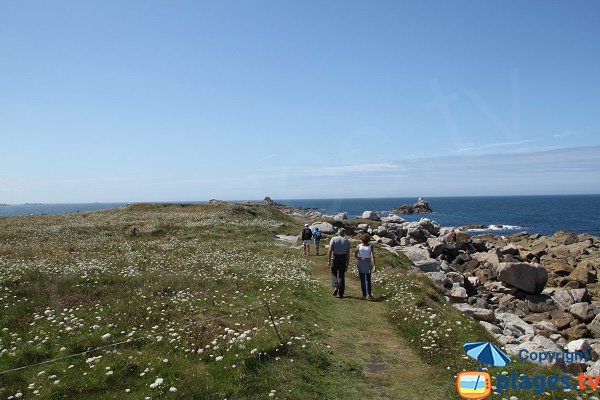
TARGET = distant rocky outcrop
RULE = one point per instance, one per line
(267, 201)
(420, 207)
(215, 201)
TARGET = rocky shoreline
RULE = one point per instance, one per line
(531, 292)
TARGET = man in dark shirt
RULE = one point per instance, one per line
(339, 258)
(306, 239)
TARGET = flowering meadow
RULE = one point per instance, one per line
(201, 302)
(152, 302)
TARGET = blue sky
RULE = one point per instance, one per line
(189, 100)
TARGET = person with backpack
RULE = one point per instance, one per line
(317, 236)
(366, 264)
(306, 239)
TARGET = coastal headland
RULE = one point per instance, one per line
(216, 300)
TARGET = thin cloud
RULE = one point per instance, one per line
(565, 133)
(493, 145)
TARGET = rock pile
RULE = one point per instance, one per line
(420, 207)
(528, 291)
(267, 201)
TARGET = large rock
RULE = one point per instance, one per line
(324, 227)
(559, 268)
(492, 257)
(594, 327)
(430, 226)
(531, 278)
(382, 230)
(584, 273)
(393, 218)
(519, 326)
(567, 297)
(582, 346)
(428, 265)
(436, 246)
(510, 249)
(544, 328)
(480, 314)
(540, 303)
(457, 238)
(565, 238)
(457, 294)
(415, 254)
(594, 369)
(576, 332)
(389, 242)
(420, 207)
(583, 312)
(418, 233)
(538, 344)
(538, 249)
(491, 328)
(440, 279)
(372, 215)
(267, 201)
(341, 216)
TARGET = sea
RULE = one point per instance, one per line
(498, 214)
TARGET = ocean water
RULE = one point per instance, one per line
(55, 208)
(534, 214)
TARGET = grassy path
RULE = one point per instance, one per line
(362, 333)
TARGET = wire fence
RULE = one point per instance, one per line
(261, 303)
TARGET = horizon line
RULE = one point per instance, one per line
(294, 199)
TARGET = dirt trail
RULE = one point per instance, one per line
(363, 333)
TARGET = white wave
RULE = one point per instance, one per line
(497, 227)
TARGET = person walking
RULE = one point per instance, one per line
(339, 257)
(306, 239)
(366, 265)
(317, 236)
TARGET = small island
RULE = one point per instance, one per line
(420, 207)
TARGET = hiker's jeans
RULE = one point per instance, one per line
(338, 272)
(365, 283)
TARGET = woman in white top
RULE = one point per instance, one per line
(366, 264)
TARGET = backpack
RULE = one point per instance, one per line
(306, 234)
(318, 235)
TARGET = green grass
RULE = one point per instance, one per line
(68, 281)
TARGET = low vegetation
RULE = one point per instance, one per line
(165, 302)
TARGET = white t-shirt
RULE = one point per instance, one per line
(364, 251)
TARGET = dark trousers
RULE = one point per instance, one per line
(338, 272)
(365, 283)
